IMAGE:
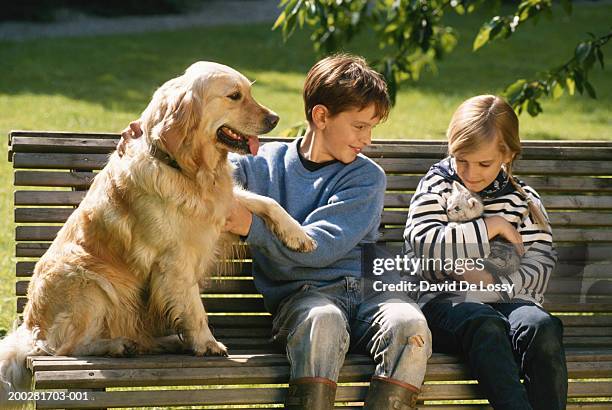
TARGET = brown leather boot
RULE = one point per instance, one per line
(309, 393)
(389, 394)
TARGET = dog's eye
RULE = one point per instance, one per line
(235, 96)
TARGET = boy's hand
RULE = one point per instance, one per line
(239, 220)
(133, 131)
(496, 225)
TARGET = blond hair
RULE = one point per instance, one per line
(485, 118)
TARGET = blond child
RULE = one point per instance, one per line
(503, 335)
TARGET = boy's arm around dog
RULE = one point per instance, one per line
(338, 206)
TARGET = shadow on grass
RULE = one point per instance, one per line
(121, 72)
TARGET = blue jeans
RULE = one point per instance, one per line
(503, 342)
(318, 325)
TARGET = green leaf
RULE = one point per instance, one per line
(514, 91)
(578, 79)
(534, 108)
(571, 85)
(582, 51)
(590, 90)
(391, 27)
(482, 37)
(557, 90)
(600, 57)
(524, 105)
(524, 10)
(279, 20)
(295, 131)
(499, 29)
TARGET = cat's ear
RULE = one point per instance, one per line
(457, 186)
(472, 202)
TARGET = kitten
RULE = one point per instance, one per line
(463, 205)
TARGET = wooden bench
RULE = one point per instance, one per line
(53, 171)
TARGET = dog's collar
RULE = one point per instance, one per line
(163, 157)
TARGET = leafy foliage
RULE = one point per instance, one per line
(571, 76)
(412, 35)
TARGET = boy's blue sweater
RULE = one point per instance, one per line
(338, 205)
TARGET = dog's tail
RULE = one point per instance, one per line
(14, 348)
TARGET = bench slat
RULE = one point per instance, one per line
(279, 373)
(583, 252)
(49, 197)
(48, 233)
(379, 148)
(90, 161)
(265, 321)
(61, 214)
(85, 162)
(393, 200)
(54, 179)
(553, 303)
(64, 145)
(560, 286)
(550, 201)
(551, 183)
(266, 396)
(570, 274)
(60, 134)
(394, 182)
(557, 218)
(559, 235)
(62, 363)
(521, 167)
(560, 218)
(32, 249)
(226, 286)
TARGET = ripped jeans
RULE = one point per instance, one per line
(318, 325)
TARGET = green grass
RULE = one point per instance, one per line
(101, 83)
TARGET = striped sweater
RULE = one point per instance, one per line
(429, 235)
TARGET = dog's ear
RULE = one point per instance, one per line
(181, 118)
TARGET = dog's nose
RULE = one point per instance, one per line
(271, 120)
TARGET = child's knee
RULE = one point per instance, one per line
(486, 330)
(324, 325)
(547, 341)
(412, 331)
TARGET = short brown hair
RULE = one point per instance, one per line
(341, 82)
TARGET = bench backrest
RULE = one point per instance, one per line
(53, 171)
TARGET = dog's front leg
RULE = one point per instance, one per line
(176, 297)
(287, 229)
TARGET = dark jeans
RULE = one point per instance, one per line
(503, 342)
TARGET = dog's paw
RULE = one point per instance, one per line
(211, 348)
(294, 238)
(302, 243)
(122, 347)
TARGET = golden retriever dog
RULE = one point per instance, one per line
(123, 272)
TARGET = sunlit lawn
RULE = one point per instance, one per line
(101, 83)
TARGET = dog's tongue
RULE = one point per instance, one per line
(253, 144)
